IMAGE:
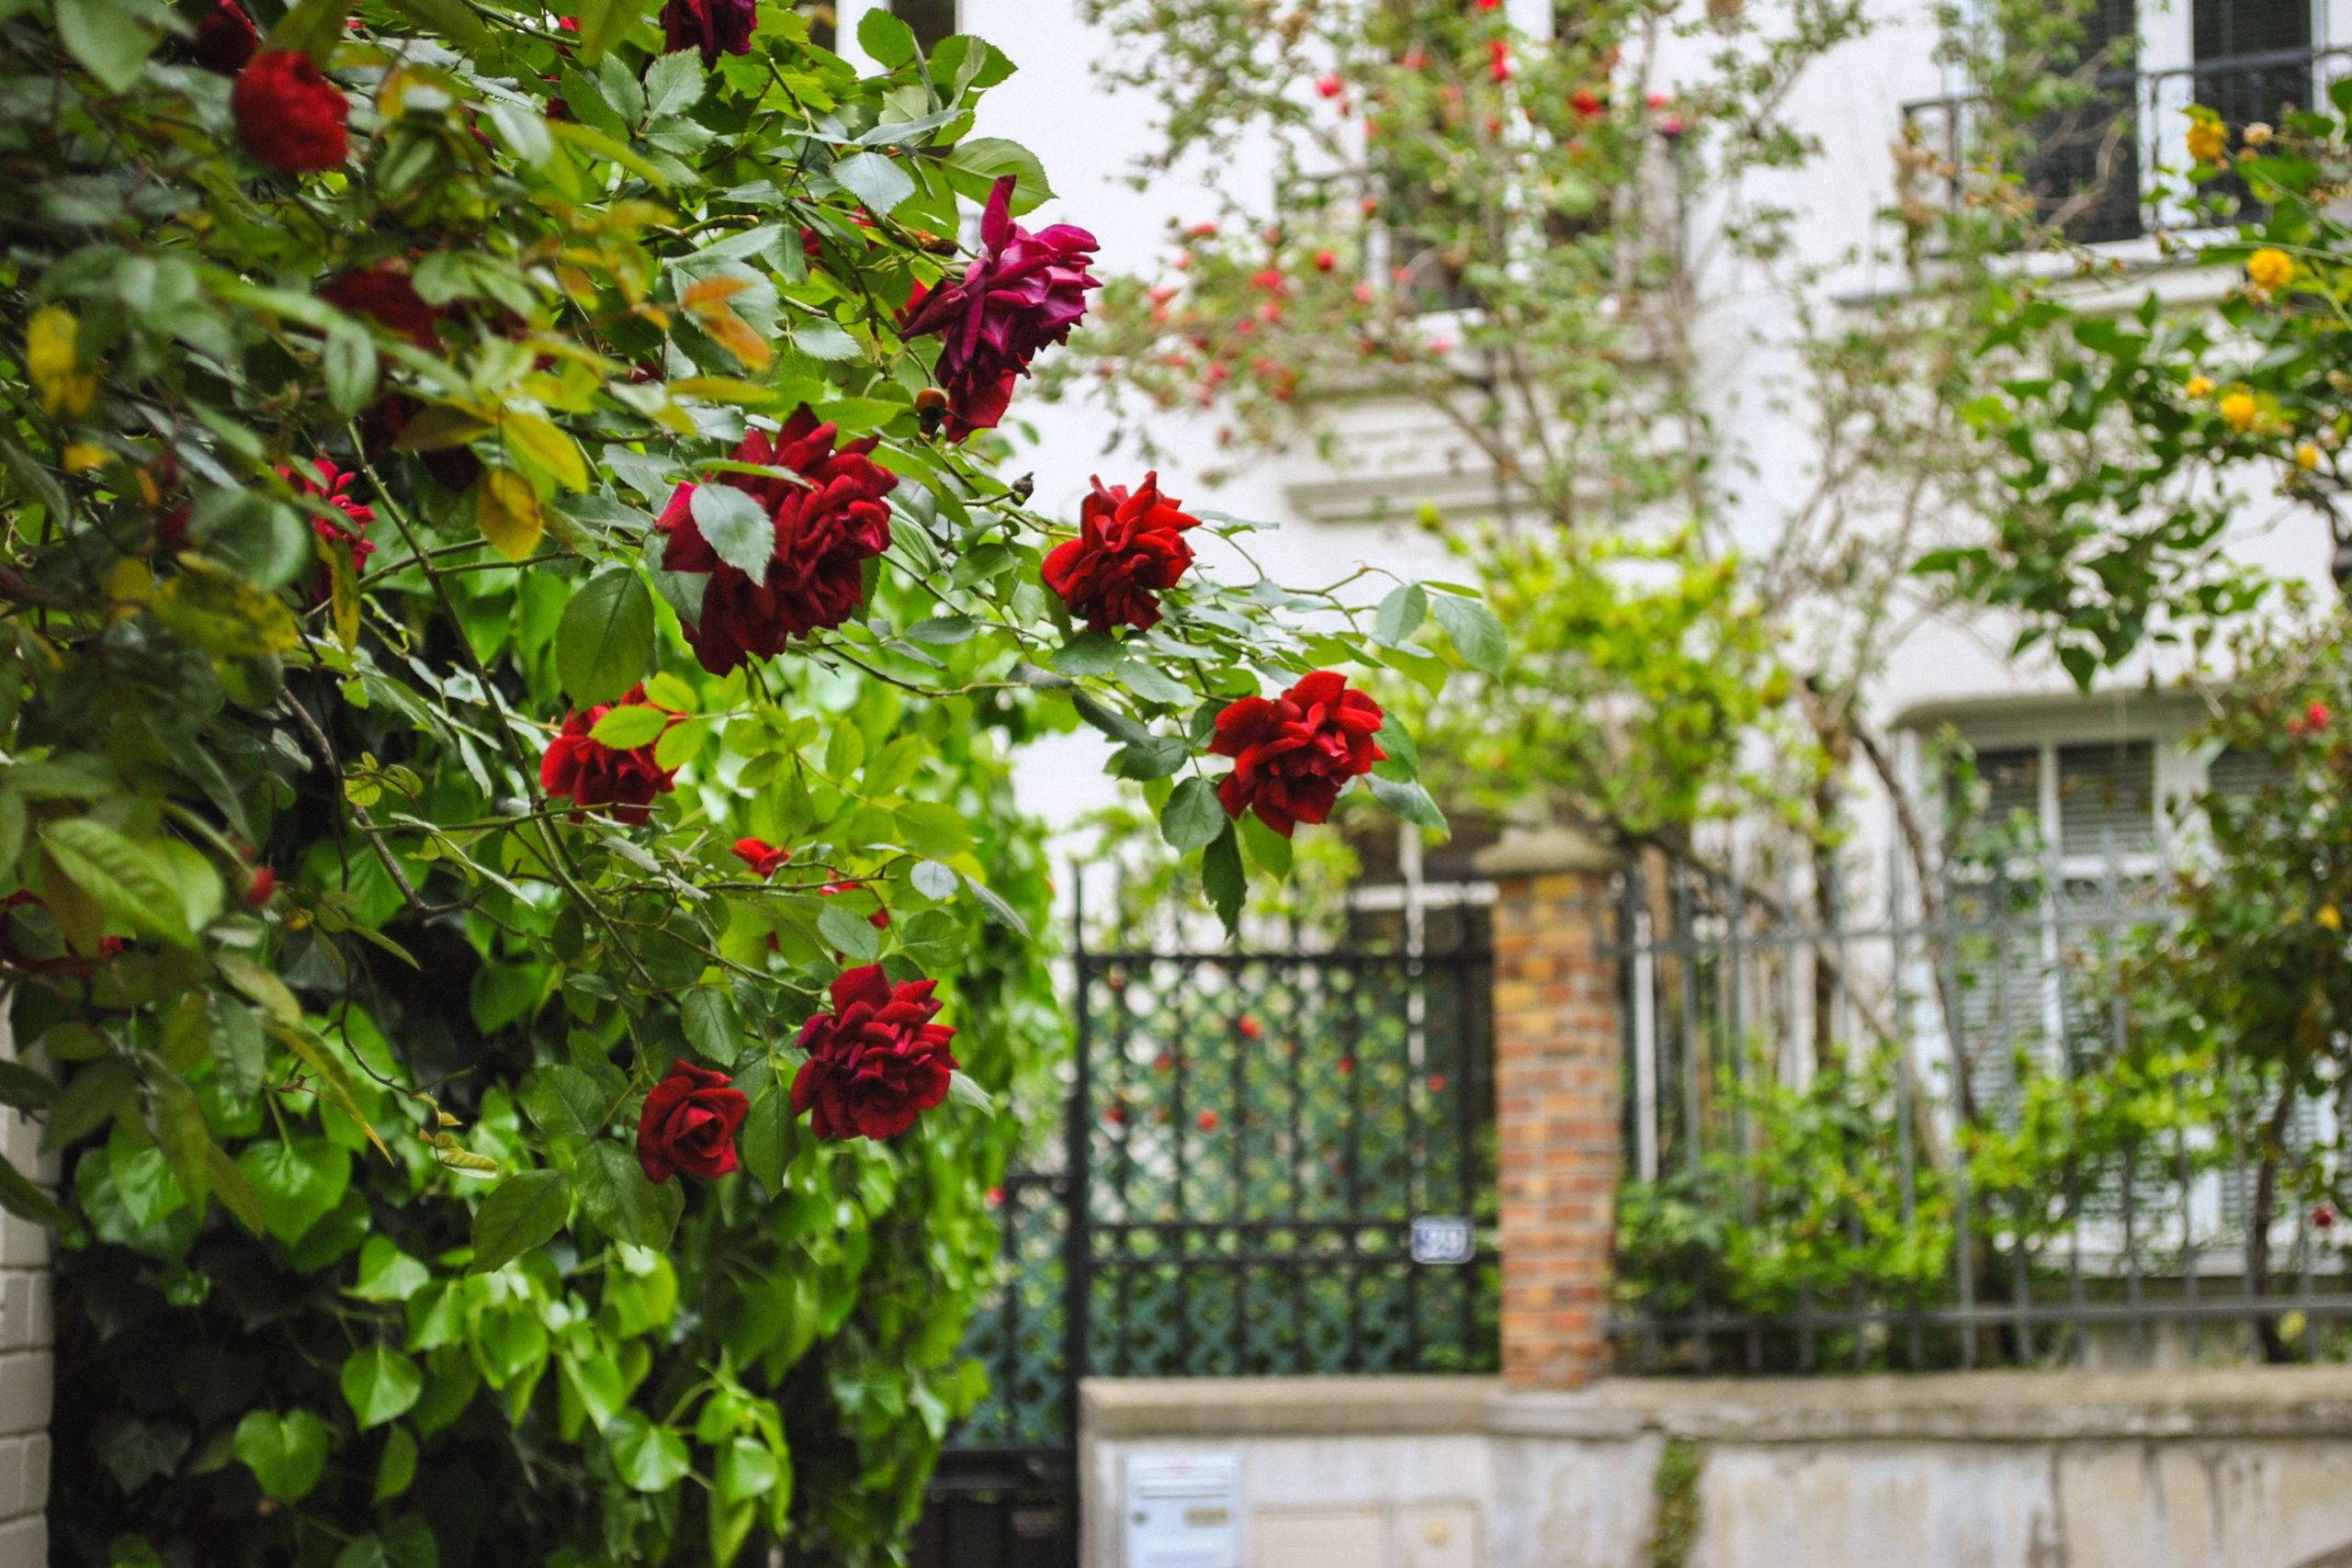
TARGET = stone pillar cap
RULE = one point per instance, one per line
(1548, 851)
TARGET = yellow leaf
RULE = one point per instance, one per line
(53, 344)
(732, 333)
(508, 510)
(712, 291)
(343, 591)
(224, 613)
(440, 427)
(130, 581)
(537, 442)
(722, 389)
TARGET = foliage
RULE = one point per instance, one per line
(330, 474)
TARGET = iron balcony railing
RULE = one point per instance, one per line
(2089, 167)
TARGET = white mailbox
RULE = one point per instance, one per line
(1182, 1512)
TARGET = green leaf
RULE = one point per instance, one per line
(1222, 878)
(1476, 635)
(120, 875)
(616, 1195)
(746, 1468)
(1192, 819)
(288, 1454)
(997, 910)
(380, 1384)
(674, 83)
(647, 1457)
(934, 880)
(564, 1101)
(311, 27)
(396, 1471)
(874, 178)
(388, 1274)
(23, 1198)
(111, 44)
(887, 40)
(300, 1182)
(348, 360)
(1409, 800)
(849, 932)
(1265, 846)
(1401, 614)
(985, 159)
(456, 21)
(707, 1015)
(604, 641)
(1153, 757)
(734, 524)
(627, 727)
(90, 1101)
(524, 1211)
(771, 1134)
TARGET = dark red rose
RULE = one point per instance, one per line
(2323, 1216)
(225, 38)
(288, 114)
(876, 1061)
(761, 856)
(714, 26)
(689, 1123)
(1128, 548)
(382, 291)
(825, 531)
(1021, 293)
(592, 773)
(262, 887)
(1292, 755)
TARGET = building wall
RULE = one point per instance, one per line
(2221, 1469)
(27, 1332)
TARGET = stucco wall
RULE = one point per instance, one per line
(2224, 1469)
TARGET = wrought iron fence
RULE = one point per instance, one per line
(1949, 1129)
(2086, 166)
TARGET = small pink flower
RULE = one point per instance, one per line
(1330, 85)
(1325, 261)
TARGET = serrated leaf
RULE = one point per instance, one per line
(632, 724)
(507, 509)
(674, 83)
(771, 1133)
(541, 443)
(1401, 614)
(1476, 635)
(850, 932)
(564, 1101)
(1192, 819)
(604, 641)
(1222, 879)
(223, 613)
(1409, 800)
(107, 40)
(934, 880)
(380, 1384)
(120, 876)
(26, 1089)
(736, 526)
(521, 1213)
(348, 362)
(707, 1013)
(876, 180)
(616, 1195)
(962, 1090)
(997, 910)
(887, 41)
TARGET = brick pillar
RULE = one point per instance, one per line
(1558, 1060)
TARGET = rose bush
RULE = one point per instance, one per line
(404, 830)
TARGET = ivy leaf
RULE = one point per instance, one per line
(1222, 879)
(1192, 818)
(388, 1274)
(396, 1471)
(300, 1182)
(648, 1458)
(380, 1384)
(524, 1211)
(286, 1453)
(746, 1468)
(875, 179)
(507, 509)
(627, 1207)
(604, 641)
(1401, 614)
(1476, 635)
(736, 526)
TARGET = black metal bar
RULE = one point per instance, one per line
(1078, 1161)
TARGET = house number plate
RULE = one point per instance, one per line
(1443, 1238)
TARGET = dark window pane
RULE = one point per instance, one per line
(2106, 798)
(932, 20)
(2084, 174)
(821, 22)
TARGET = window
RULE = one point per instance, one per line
(822, 20)
(2252, 62)
(2084, 168)
(933, 21)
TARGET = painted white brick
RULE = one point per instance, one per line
(23, 1245)
(25, 1391)
(41, 1311)
(12, 1477)
(23, 1543)
(37, 1471)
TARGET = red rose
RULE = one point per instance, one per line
(714, 26)
(825, 531)
(592, 773)
(761, 856)
(1330, 85)
(2315, 718)
(1021, 293)
(382, 291)
(1128, 548)
(1292, 755)
(2323, 1216)
(1587, 104)
(689, 1123)
(225, 39)
(288, 114)
(262, 887)
(876, 1061)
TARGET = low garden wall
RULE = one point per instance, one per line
(2242, 1468)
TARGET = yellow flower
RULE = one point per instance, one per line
(2241, 411)
(2199, 387)
(2306, 456)
(2270, 268)
(2328, 917)
(2258, 134)
(2207, 139)
(50, 341)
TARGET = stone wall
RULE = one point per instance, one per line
(2223, 1469)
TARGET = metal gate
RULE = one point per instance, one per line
(1272, 1163)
